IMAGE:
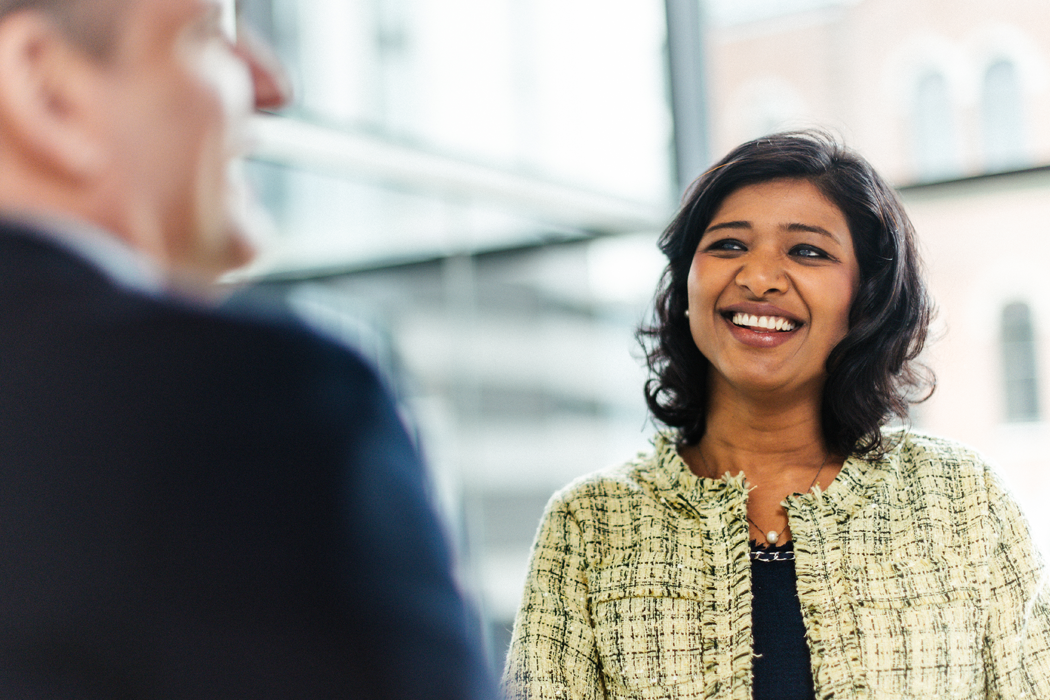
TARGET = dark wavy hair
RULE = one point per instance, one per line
(872, 374)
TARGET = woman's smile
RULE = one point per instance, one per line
(760, 325)
(771, 285)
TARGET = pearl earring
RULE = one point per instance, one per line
(687, 313)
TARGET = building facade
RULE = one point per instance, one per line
(951, 102)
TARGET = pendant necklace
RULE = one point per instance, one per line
(772, 536)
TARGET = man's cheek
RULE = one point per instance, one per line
(230, 80)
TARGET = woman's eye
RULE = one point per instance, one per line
(726, 245)
(808, 251)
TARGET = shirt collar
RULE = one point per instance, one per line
(104, 251)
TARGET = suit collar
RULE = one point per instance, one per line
(98, 248)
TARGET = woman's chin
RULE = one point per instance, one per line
(773, 386)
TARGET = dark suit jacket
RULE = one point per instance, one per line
(197, 505)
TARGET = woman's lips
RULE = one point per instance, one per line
(762, 323)
(761, 331)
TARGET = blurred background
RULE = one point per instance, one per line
(470, 192)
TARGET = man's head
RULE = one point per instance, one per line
(130, 114)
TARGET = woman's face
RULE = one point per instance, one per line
(770, 288)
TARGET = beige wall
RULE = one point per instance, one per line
(987, 244)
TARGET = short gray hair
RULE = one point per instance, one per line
(91, 24)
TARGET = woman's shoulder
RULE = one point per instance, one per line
(919, 449)
(637, 478)
(932, 461)
(620, 480)
(949, 485)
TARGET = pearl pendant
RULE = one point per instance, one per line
(772, 537)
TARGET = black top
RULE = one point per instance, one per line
(781, 664)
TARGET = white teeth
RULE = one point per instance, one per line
(774, 323)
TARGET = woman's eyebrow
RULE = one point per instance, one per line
(811, 229)
(786, 227)
(728, 224)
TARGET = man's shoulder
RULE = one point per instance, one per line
(256, 328)
(50, 277)
(97, 324)
(246, 343)
(124, 355)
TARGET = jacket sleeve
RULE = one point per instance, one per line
(419, 634)
(552, 652)
(1017, 637)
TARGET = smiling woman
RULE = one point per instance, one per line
(780, 542)
(889, 310)
(774, 269)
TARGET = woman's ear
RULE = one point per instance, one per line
(48, 87)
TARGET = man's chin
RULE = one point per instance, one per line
(241, 251)
(205, 277)
(249, 225)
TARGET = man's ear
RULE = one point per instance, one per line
(48, 89)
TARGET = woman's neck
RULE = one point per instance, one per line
(761, 436)
(776, 440)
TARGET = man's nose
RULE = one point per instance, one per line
(269, 79)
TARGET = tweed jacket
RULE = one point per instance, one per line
(916, 573)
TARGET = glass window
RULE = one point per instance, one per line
(1021, 381)
(574, 94)
(425, 128)
(1002, 118)
(934, 130)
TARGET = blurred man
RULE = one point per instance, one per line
(192, 505)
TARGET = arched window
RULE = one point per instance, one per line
(1002, 117)
(936, 154)
(1021, 380)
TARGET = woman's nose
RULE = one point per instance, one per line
(762, 274)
